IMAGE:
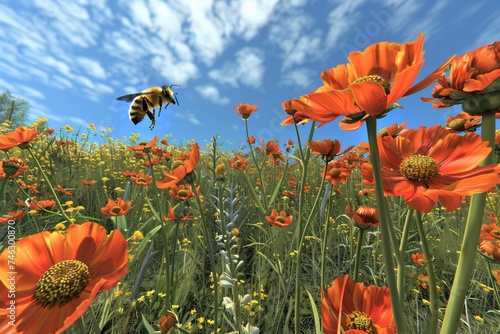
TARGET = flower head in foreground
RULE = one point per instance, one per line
(364, 216)
(328, 148)
(180, 172)
(431, 164)
(279, 219)
(473, 81)
(61, 276)
(366, 309)
(370, 84)
(245, 110)
(22, 135)
(118, 208)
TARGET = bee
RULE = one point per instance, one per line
(145, 102)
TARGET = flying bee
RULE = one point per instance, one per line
(145, 102)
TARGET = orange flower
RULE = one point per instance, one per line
(392, 130)
(496, 274)
(490, 249)
(337, 173)
(371, 83)
(61, 189)
(279, 219)
(11, 216)
(88, 183)
(251, 140)
(12, 167)
(357, 307)
(128, 174)
(328, 148)
(429, 164)
(143, 145)
(181, 192)
(171, 215)
(181, 171)
(473, 72)
(245, 110)
(61, 276)
(238, 162)
(42, 205)
(364, 216)
(115, 209)
(168, 321)
(463, 122)
(490, 232)
(418, 259)
(22, 135)
(141, 179)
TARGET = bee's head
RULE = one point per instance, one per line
(168, 92)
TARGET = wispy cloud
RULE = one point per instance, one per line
(188, 116)
(247, 69)
(212, 94)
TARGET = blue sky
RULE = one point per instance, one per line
(72, 59)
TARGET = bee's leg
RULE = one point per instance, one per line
(151, 116)
(160, 102)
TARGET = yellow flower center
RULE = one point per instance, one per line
(62, 283)
(334, 172)
(116, 210)
(375, 78)
(141, 180)
(280, 219)
(238, 163)
(360, 320)
(420, 168)
(183, 193)
(457, 124)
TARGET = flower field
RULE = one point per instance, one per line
(157, 235)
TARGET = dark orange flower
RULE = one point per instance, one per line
(490, 249)
(128, 174)
(143, 145)
(141, 179)
(171, 216)
(392, 130)
(490, 232)
(463, 122)
(11, 216)
(181, 192)
(61, 276)
(251, 140)
(496, 274)
(245, 110)
(61, 189)
(180, 172)
(418, 259)
(42, 205)
(31, 187)
(12, 167)
(371, 83)
(22, 135)
(279, 219)
(429, 164)
(88, 183)
(473, 72)
(328, 148)
(357, 307)
(337, 173)
(118, 208)
(168, 321)
(238, 162)
(364, 216)
(272, 148)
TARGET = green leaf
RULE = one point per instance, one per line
(275, 193)
(146, 324)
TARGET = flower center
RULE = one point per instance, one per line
(238, 163)
(280, 219)
(183, 193)
(419, 168)
(457, 124)
(116, 210)
(334, 172)
(62, 283)
(141, 180)
(360, 320)
(375, 78)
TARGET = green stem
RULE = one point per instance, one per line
(358, 254)
(470, 241)
(56, 198)
(324, 243)
(259, 170)
(432, 323)
(208, 240)
(2, 189)
(385, 226)
(299, 252)
(402, 247)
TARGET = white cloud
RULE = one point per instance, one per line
(188, 117)
(298, 77)
(341, 19)
(247, 69)
(212, 94)
(254, 14)
(30, 92)
(91, 67)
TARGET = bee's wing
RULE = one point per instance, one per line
(131, 97)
